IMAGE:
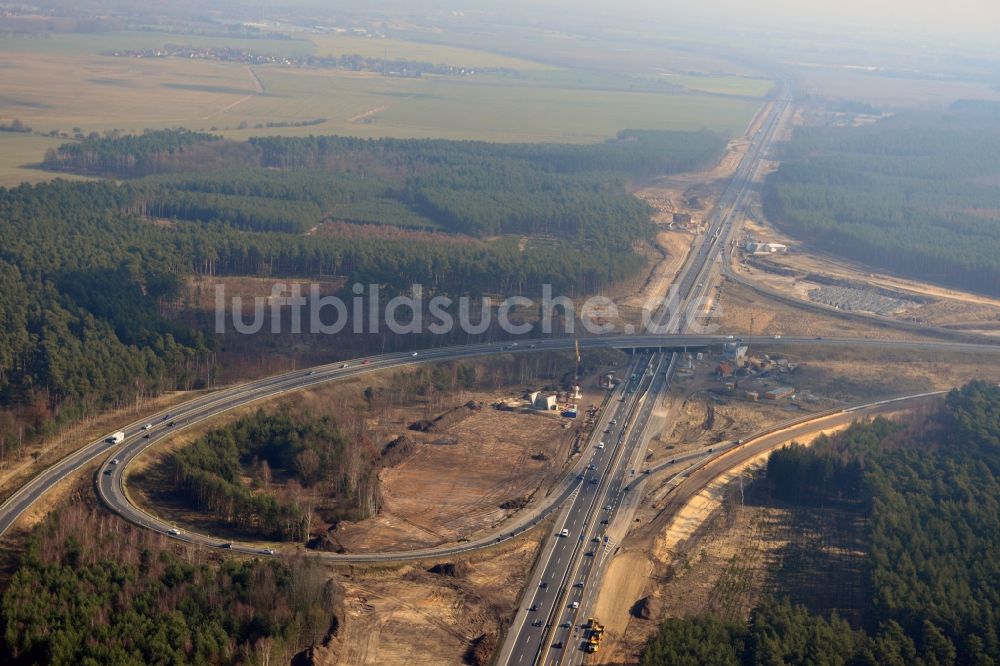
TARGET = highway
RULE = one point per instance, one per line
(223, 400)
(580, 575)
(586, 501)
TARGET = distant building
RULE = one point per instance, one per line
(752, 396)
(724, 369)
(780, 392)
(735, 352)
(543, 401)
(765, 248)
(682, 220)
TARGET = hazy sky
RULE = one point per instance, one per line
(942, 17)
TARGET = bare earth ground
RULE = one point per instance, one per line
(411, 616)
(736, 305)
(948, 307)
(675, 564)
(449, 488)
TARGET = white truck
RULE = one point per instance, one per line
(116, 438)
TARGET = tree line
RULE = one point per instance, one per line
(90, 589)
(933, 532)
(310, 451)
(911, 194)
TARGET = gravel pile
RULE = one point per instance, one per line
(858, 300)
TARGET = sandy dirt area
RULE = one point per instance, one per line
(671, 564)
(932, 304)
(453, 485)
(409, 615)
(740, 310)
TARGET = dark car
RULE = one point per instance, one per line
(171, 424)
(543, 585)
(534, 607)
(226, 545)
(536, 623)
(557, 645)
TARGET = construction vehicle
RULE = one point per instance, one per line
(595, 632)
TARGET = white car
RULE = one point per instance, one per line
(575, 605)
(147, 426)
(267, 551)
(343, 365)
(414, 353)
(115, 461)
(564, 533)
(777, 337)
(174, 531)
(600, 445)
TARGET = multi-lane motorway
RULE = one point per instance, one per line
(585, 502)
(570, 565)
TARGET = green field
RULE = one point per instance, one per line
(722, 85)
(17, 151)
(62, 83)
(335, 45)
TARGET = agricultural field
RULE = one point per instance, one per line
(18, 151)
(63, 83)
(400, 49)
(741, 86)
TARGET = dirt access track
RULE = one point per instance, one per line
(635, 571)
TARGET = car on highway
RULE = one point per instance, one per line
(536, 623)
(225, 545)
(613, 421)
(171, 424)
(310, 373)
(777, 337)
(414, 354)
(109, 471)
(589, 553)
(557, 645)
(565, 625)
(580, 584)
(266, 551)
(591, 466)
(607, 508)
(174, 531)
(605, 521)
(596, 540)
(543, 585)
(595, 479)
(533, 608)
(574, 605)
(564, 532)
(115, 461)
(600, 445)
(147, 426)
